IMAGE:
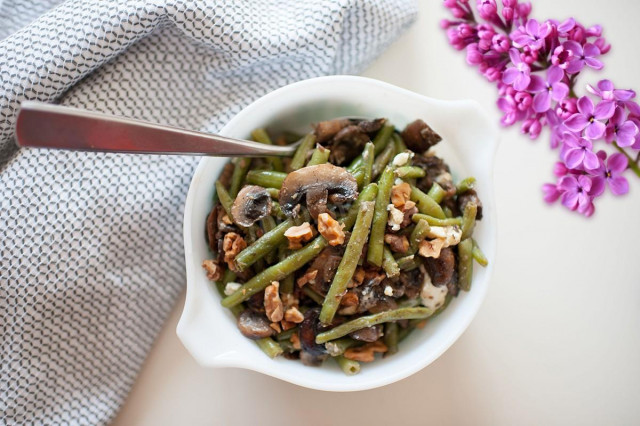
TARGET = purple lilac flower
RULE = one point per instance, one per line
(620, 129)
(519, 75)
(610, 173)
(587, 118)
(561, 57)
(551, 192)
(532, 34)
(577, 153)
(576, 192)
(545, 91)
(487, 9)
(582, 55)
(557, 129)
(566, 108)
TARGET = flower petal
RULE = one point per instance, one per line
(570, 200)
(537, 84)
(585, 105)
(559, 91)
(619, 185)
(554, 74)
(532, 27)
(591, 161)
(605, 85)
(604, 110)
(573, 46)
(595, 130)
(590, 50)
(522, 81)
(627, 134)
(509, 75)
(624, 95)
(576, 123)
(514, 55)
(597, 186)
(551, 193)
(574, 158)
(542, 101)
(594, 63)
(617, 163)
(575, 65)
(568, 183)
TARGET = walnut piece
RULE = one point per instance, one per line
(431, 248)
(287, 325)
(276, 327)
(358, 277)
(307, 277)
(295, 341)
(272, 303)
(400, 194)
(330, 229)
(366, 353)
(232, 245)
(398, 243)
(214, 271)
(349, 299)
(298, 235)
(293, 315)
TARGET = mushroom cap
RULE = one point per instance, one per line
(254, 325)
(252, 204)
(315, 184)
(419, 137)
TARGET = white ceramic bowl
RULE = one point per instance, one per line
(208, 330)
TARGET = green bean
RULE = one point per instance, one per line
(379, 143)
(389, 264)
(276, 272)
(276, 210)
(426, 204)
(436, 192)
(285, 335)
(261, 135)
(338, 346)
(419, 233)
(287, 284)
(367, 194)
(348, 263)
(382, 160)
(391, 337)
(313, 295)
(404, 332)
(434, 221)
(266, 178)
(228, 277)
(399, 143)
(358, 175)
(382, 138)
(380, 216)
(269, 347)
(269, 224)
(465, 184)
(478, 255)
(408, 263)
(447, 212)
(368, 156)
(320, 156)
(410, 172)
(465, 264)
(371, 320)
(241, 166)
(299, 158)
(265, 244)
(348, 366)
(469, 220)
(224, 197)
(273, 193)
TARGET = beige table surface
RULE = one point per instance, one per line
(557, 340)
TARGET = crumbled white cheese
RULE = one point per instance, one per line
(395, 217)
(432, 297)
(450, 235)
(398, 181)
(443, 178)
(402, 158)
(388, 291)
(231, 288)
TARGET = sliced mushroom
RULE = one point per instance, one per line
(419, 137)
(311, 353)
(369, 334)
(347, 144)
(470, 196)
(372, 126)
(254, 325)
(252, 204)
(325, 130)
(315, 185)
(437, 171)
(441, 269)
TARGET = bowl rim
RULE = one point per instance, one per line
(410, 368)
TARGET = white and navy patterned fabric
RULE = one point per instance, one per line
(91, 244)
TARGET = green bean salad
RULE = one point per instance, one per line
(346, 248)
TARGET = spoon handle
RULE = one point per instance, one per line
(43, 125)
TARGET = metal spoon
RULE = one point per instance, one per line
(43, 125)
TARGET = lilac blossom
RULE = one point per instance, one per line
(519, 75)
(582, 55)
(610, 173)
(552, 88)
(588, 118)
(576, 190)
(532, 34)
(620, 129)
(578, 153)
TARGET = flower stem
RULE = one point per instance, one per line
(632, 164)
